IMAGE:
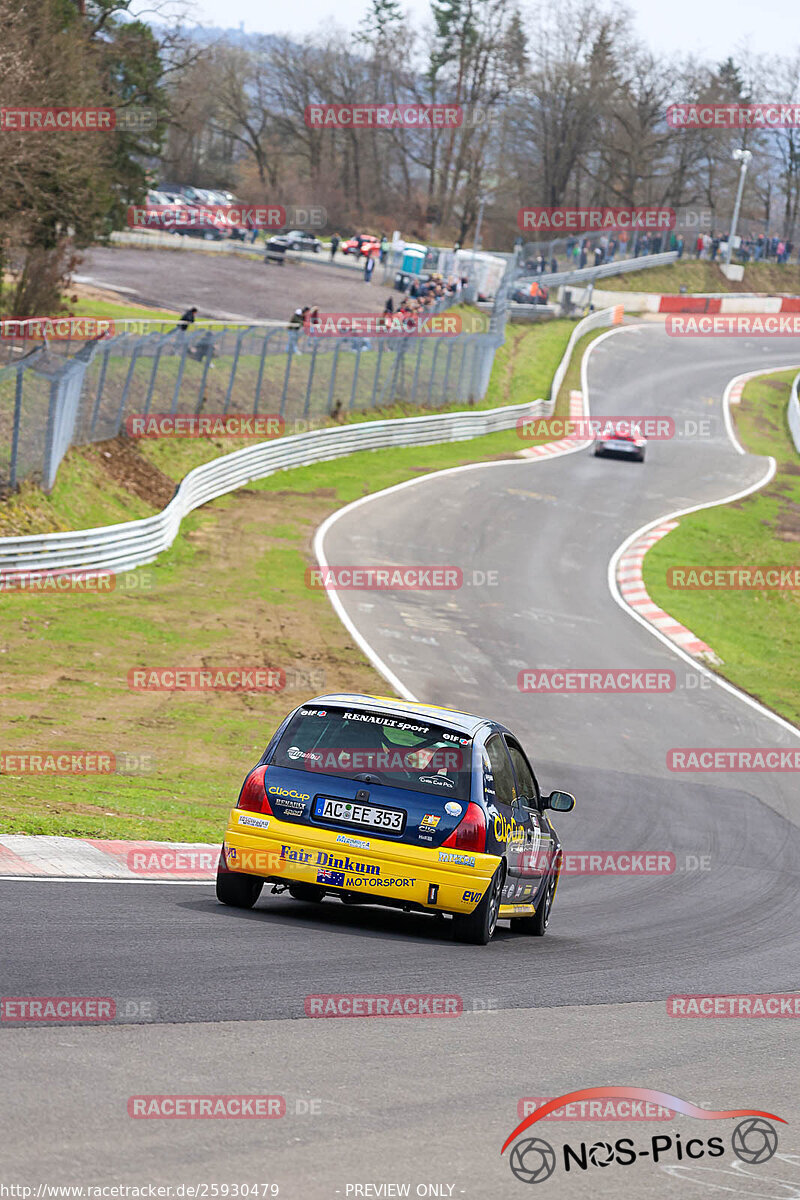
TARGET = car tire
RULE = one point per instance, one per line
(598, 453)
(237, 889)
(308, 892)
(536, 926)
(641, 457)
(477, 928)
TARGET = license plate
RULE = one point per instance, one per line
(620, 446)
(347, 812)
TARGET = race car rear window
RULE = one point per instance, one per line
(378, 748)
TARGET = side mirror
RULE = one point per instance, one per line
(560, 801)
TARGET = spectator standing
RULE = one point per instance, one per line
(186, 320)
(296, 323)
(679, 245)
(384, 250)
(369, 267)
(334, 245)
(553, 265)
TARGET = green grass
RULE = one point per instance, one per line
(703, 276)
(229, 592)
(755, 633)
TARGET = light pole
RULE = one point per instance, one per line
(742, 156)
(476, 242)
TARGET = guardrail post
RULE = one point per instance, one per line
(433, 372)
(450, 349)
(377, 374)
(332, 383)
(152, 384)
(464, 347)
(257, 400)
(100, 385)
(15, 434)
(311, 370)
(234, 365)
(48, 473)
(413, 396)
(290, 352)
(355, 377)
(179, 380)
(126, 387)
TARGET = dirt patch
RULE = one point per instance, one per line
(787, 526)
(122, 462)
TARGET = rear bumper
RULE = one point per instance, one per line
(349, 864)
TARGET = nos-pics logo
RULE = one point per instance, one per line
(533, 1160)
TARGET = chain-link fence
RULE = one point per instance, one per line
(49, 402)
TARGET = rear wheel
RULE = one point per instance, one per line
(238, 890)
(478, 927)
(308, 892)
(536, 925)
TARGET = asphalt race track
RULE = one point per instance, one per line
(431, 1101)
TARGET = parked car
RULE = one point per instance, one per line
(300, 239)
(369, 245)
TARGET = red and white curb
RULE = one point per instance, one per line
(565, 445)
(28, 856)
(636, 596)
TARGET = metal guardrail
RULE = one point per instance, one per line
(134, 543)
(590, 274)
(793, 413)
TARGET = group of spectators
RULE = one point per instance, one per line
(594, 251)
(752, 248)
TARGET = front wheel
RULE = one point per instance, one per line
(477, 928)
(238, 890)
(536, 925)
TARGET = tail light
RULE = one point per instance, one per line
(470, 834)
(253, 795)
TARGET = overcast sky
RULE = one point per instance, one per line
(711, 28)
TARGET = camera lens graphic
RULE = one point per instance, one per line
(754, 1140)
(533, 1160)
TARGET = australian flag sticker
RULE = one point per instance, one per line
(332, 878)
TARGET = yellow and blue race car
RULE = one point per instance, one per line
(384, 801)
